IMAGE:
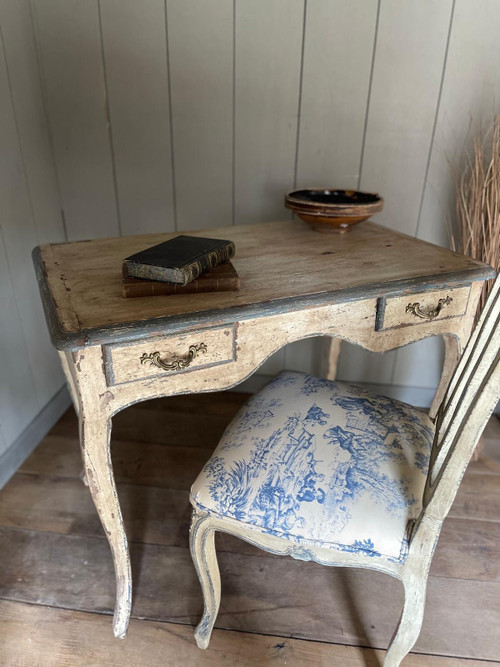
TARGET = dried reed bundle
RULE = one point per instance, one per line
(477, 186)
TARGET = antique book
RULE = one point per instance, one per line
(223, 278)
(178, 261)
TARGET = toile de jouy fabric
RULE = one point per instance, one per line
(321, 463)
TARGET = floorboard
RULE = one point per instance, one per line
(57, 584)
(260, 594)
(36, 634)
(467, 549)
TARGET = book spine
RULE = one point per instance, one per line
(165, 289)
(207, 262)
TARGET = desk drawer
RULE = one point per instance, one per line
(424, 307)
(169, 354)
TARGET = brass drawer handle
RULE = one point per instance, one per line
(177, 363)
(428, 313)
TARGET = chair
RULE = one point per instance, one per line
(328, 472)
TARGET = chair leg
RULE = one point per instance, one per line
(201, 541)
(410, 624)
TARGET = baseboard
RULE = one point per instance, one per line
(26, 442)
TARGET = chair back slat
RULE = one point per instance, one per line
(471, 397)
(465, 368)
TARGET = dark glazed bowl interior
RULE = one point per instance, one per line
(350, 197)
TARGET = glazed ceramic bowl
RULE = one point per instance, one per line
(333, 210)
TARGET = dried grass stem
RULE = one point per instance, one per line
(477, 185)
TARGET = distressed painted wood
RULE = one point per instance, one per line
(66, 366)
(451, 356)
(469, 400)
(79, 284)
(95, 431)
(82, 281)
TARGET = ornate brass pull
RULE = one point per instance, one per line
(428, 313)
(177, 363)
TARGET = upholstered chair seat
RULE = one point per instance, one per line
(322, 463)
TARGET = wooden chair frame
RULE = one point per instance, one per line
(470, 399)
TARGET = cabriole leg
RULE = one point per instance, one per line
(202, 544)
(451, 356)
(95, 444)
(410, 623)
(330, 357)
(95, 410)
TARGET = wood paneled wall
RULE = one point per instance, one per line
(122, 117)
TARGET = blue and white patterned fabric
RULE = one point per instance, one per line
(321, 463)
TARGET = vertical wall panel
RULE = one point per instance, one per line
(24, 79)
(135, 53)
(409, 59)
(268, 52)
(70, 50)
(338, 50)
(19, 234)
(469, 98)
(337, 61)
(268, 43)
(18, 402)
(3, 441)
(200, 42)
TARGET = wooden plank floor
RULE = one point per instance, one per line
(57, 584)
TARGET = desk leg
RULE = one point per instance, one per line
(330, 357)
(69, 380)
(451, 357)
(95, 444)
(94, 400)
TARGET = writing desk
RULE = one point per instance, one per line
(373, 287)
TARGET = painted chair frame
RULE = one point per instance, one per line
(469, 401)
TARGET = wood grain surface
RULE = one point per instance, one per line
(57, 583)
(82, 281)
(38, 635)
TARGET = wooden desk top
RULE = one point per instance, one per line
(283, 266)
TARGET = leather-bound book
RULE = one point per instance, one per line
(180, 260)
(223, 278)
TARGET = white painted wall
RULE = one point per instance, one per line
(122, 117)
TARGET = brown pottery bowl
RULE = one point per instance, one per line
(333, 210)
